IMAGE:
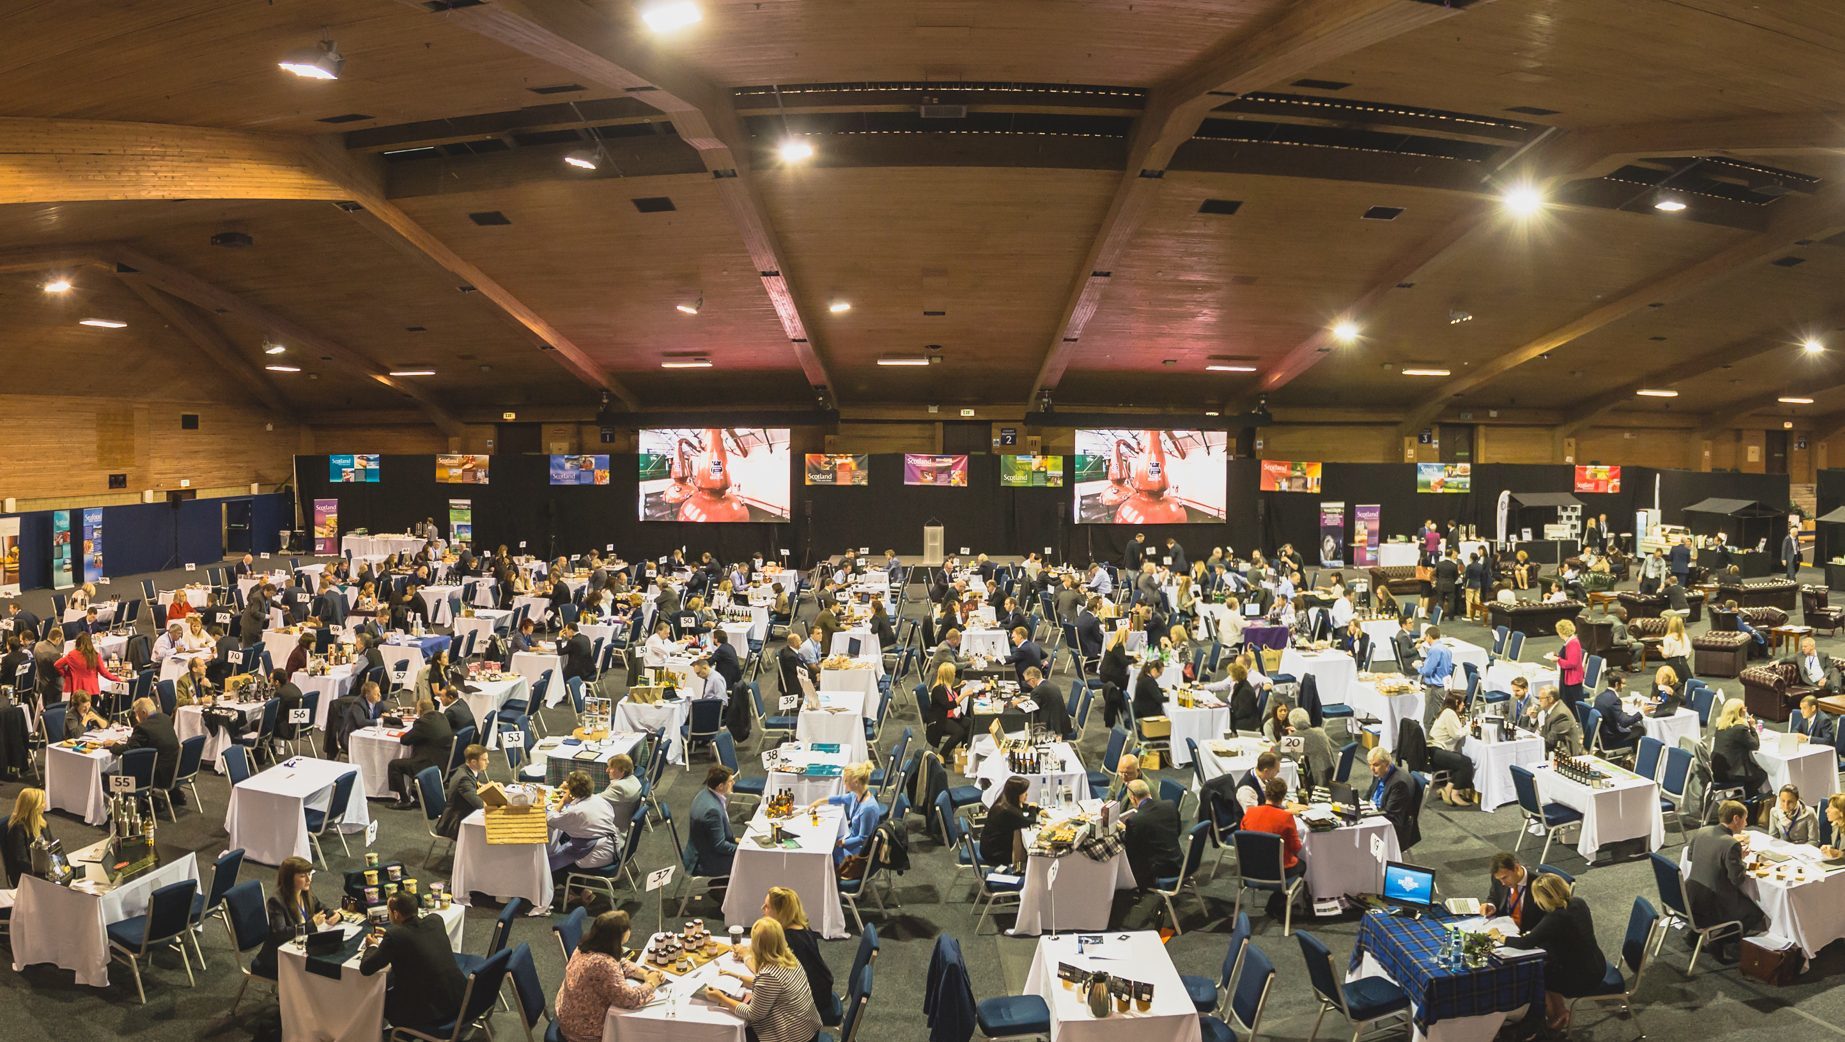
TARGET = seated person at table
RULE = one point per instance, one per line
(784, 906)
(709, 685)
(578, 653)
(26, 826)
(790, 665)
(598, 979)
(945, 728)
(180, 608)
(196, 637)
(194, 686)
(1149, 697)
(1811, 669)
(1732, 749)
(1151, 836)
(298, 656)
(1714, 886)
(780, 1004)
(169, 643)
(367, 601)
(1126, 770)
(288, 699)
(623, 790)
(584, 832)
(1053, 711)
(1556, 724)
(1273, 816)
(949, 651)
(1245, 707)
(524, 638)
(1317, 756)
(348, 713)
(1668, 695)
(292, 906)
(1620, 728)
(1026, 653)
(1394, 794)
(426, 985)
(459, 713)
(1791, 820)
(1275, 728)
(1510, 895)
(862, 813)
(710, 844)
(1814, 725)
(463, 791)
(1573, 964)
(82, 716)
(154, 730)
(810, 649)
(1446, 737)
(1406, 644)
(1742, 624)
(434, 679)
(1002, 837)
(428, 742)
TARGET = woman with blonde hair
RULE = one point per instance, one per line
(1666, 692)
(943, 728)
(780, 1005)
(1573, 964)
(27, 825)
(1675, 647)
(1732, 749)
(861, 810)
(784, 906)
(1570, 663)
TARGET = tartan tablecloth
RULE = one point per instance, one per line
(1408, 950)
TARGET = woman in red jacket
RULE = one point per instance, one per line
(1569, 663)
(81, 666)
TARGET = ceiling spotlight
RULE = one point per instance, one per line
(1456, 316)
(671, 15)
(1425, 371)
(283, 368)
(413, 372)
(692, 308)
(1812, 345)
(1225, 367)
(103, 323)
(58, 285)
(273, 348)
(795, 150)
(687, 363)
(1787, 425)
(1668, 204)
(315, 63)
(889, 360)
(1522, 200)
(583, 159)
(1345, 331)
(839, 307)
(1795, 401)
(1654, 392)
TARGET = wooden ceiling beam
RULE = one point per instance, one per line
(1816, 217)
(1606, 149)
(1736, 412)
(590, 44)
(193, 324)
(134, 266)
(1294, 38)
(581, 115)
(72, 160)
(497, 171)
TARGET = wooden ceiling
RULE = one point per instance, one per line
(1094, 199)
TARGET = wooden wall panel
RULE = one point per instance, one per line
(383, 440)
(1514, 445)
(884, 437)
(1327, 443)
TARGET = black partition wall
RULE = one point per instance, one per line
(520, 504)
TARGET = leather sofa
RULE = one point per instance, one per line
(1398, 579)
(1771, 690)
(1532, 618)
(1649, 605)
(1761, 619)
(1768, 592)
(1720, 653)
(1597, 637)
(1817, 611)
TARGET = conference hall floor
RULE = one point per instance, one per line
(42, 1002)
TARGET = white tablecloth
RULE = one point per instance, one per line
(351, 1009)
(502, 871)
(74, 780)
(1240, 758)
(1681, 724)
(1340, 862)
(808, 871)
(1628, 809)
(864, 681)
(1813, 769)
(1083, 897)
(265, 813)
(532, 665)
(1334, 672)
(1398, 555)
(435, 602)
(678, 1013)
(838, 720)
(1537, 676)
(371, 750)
(488, 697)
(382, 545)
(66, 927)
(1201, 724)
(1462, 652)
(484, 621)
(1064, 771)
(336, 681)
(868, 651)
(1389, 710)
(190, 720)
(1492, 766)
(666, 717)
(1811, 913)
(1383, 634)
(1141, 957)
(280, 645)
(993, 643)
(805, 789)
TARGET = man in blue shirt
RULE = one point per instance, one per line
(1437, 666)
(809, 649)
(1099, 583)
(710, 684)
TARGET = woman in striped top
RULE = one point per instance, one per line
(598, 979)
(780, 1005)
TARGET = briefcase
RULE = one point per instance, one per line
(1770, 960)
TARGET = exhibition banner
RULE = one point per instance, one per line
(919, 469)
(1366, 534)
(61, 572)
(326, 526)
(461, 521)
(1444, 477)
(1332, 534)
(92, 544)
(837, 468)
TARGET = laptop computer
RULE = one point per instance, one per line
(1408, 886)
(1342, 793)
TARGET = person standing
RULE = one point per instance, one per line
(1790, 551)
(1569, 663)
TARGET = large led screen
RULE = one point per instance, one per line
(715, 474)
(1140, 477)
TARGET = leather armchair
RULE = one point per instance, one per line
(1398, 579)
(1815, 611)
(1720, 653)
(1771, 690)
(1532, 618)
(1597, 637)
(1769, 592)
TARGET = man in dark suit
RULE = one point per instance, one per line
(1510, 895)
(1448, 581)
(1136, 553)
(26, 624)
(427, 741)
(1678, 559)
(1817, 726)
(1053, 710)
(426, 986)
(255, 617)
(1714, 886)
(459, 713)
(1151, 839)
(1089, 629)
(1790, 551)
(1068, 600)
(1026, 653)
(1675, 595)
(288, 698)
(463, 791)
(350, 712)
(1620, 729)
(330, 605)
(1176, 557)
(724, 659)
(1811, 669)
(1406, 645)
(296, 600)
(154, 730)
(711, 844)
(578, 655)
(1395, 796)
(789, 665)
(365, 654)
